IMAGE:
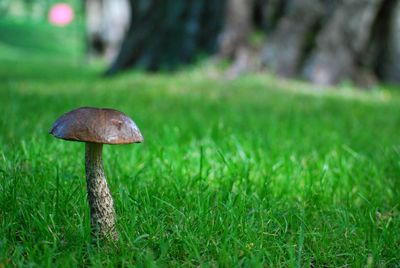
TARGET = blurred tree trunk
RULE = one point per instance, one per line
(271, 12)
(330, 41)
(234, 39)
(238, 26)
(342, 42)
(107, 22)
(323, 41)
(164, 34)
(284, 51)
(387, 43)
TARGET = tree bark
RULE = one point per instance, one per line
(389, 53)
(323, 41)
(342, 42)
(238, 26)
(272, 12)
(284, 51)
(234, 39)
(107, 22)
(164, 34)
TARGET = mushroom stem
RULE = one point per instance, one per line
(102, 213)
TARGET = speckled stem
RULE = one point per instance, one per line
(102, 213)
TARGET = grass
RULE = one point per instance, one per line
(251, 172)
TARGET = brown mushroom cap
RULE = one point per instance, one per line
(96, 125)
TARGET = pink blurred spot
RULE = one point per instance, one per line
(61, 14)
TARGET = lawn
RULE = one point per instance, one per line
(249, 172)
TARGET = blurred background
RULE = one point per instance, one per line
(324, 42)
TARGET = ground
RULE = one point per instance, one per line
(248, 172)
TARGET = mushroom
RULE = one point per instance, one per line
(96, 127)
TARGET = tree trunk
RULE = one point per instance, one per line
(272, 12)
(107, 22)
(164, 34)
(323, 41)
(342, 41)
(238, 24)
(284, 51)
(234, 39)
(389, 64)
